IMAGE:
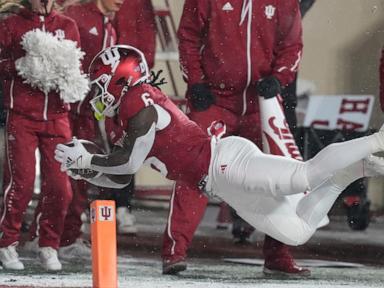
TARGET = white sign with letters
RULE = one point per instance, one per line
(342, 112)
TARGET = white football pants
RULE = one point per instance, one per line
(258, 185)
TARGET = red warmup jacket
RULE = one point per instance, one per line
(233, 44)
(20, 97)
(134, 25)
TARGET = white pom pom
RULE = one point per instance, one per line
(53, 64)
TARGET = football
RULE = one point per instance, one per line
(93, 149)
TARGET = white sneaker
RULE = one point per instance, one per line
(10, 259)
(48, 259)
(126, 221)
(32, 246)
(80, 249)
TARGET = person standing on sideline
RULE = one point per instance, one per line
(36, 120)
(241, 230)
(231, 52)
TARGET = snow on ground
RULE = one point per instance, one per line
(201, 273)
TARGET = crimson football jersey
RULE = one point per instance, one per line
(181, 150)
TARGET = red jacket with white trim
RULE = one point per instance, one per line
(20, 97)
(232, 44)
(136, 27)
(134, 24)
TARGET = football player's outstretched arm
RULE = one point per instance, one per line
(136, 145)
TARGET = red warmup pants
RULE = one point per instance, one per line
(83, 128)
(73, 222)
(188, 204)
(22, 137)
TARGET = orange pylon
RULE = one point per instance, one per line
(103, 237)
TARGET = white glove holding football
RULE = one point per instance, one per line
(73, 155)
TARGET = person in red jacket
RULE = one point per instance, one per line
(102, 23)
(231, 52)
(35, 120)
(241, 230)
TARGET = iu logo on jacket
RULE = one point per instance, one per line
(270, 11)
(60, 34)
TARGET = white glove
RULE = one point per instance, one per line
(75, 157)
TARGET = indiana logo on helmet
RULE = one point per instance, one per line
(113, 71)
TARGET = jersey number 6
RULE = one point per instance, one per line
(148, 101)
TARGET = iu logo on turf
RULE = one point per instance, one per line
(269, 11)
(105, 213)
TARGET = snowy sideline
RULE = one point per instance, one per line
(201, 273)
